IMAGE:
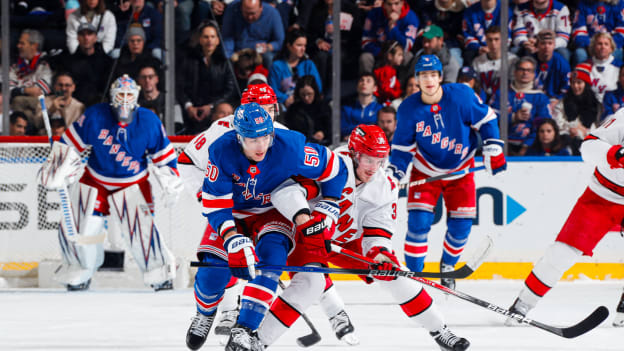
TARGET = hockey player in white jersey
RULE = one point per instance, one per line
(366, 224)
(122, 137)
(600, 208)
(192, 163)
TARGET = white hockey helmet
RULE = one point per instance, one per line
(124, 95)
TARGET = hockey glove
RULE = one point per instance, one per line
(615, 156)
(317, 232)
(241, 256)
(387, 261)
(493, 156)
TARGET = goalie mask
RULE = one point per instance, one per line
(124, 94)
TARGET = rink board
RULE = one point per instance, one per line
(525, 207)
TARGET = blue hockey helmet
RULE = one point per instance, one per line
(252, 121)
(428, 63)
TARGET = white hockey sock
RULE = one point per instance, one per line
(415, 302)
(230, 297)
(331, 302)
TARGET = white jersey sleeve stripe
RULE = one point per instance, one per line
(491, 115)
(164, 156)
(331, 168)
(71, 137)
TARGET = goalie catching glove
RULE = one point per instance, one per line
(317, 232)
(61, 167)
(493, 156)
(241, 256)
(386, 261)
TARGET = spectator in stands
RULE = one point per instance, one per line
(386, 120)
(579, 110)
(468, 76)
(320, 31)
(309, 114)
(526, 106)
(548, 141)
(593, 17)
(605, 67)
(446, 14)
(222, 109)
(411, 87)
(488, 64)
(433, 44)
(94, 12)
(614, 99)
(386, 73)
(534, 16)
(247, 62)
(363, 110)
(62, 103)
(204, 78)
(89, 66)
(133, 54)
(18, 124)
(135, 11)
(392, 21)
(57, 125)
(183, 12)
(477, 19)
(30, 76)
(291, 64)
(252, 24)
(46, 16)
(148, 79)
(553, 69)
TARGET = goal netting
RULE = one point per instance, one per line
(29, 213)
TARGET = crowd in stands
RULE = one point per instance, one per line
(564, 57)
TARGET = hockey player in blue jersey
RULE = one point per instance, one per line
(436, 133)
(122, 137)
(244, 166)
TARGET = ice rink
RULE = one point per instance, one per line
(139, 319)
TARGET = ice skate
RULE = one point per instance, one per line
(79, 287)
(619, 316)
(226, 322)
(198, 331)
(243, 339)
(449, 341)
(341, 325)
(518, 307)
(166, 285)
(447, 282)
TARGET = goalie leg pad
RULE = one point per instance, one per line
(81, 261)
(132, 214)
(418, 226)
(415, 302)
(557, 259)
(63, 164)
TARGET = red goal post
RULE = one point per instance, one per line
(29, 214)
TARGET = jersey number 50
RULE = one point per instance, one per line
(212, 172)
(311, 157)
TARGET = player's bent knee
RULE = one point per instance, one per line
(459, 228)
(272, 248)
(419, 222)
(209, 279)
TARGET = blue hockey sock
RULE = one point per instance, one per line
(210, 285)
(455, 239)
(418, 226)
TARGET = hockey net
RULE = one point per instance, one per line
(29, 213)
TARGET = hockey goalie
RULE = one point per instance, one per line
(123, 139)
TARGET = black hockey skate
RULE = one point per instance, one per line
(447, 282)
(227, 321)
(243, 339)
(198, 331)
(341, 325)
(449, 341)
(518, 307)
(79, 287)
(166, 285)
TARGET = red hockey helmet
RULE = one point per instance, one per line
(369, 140)
(261, 94)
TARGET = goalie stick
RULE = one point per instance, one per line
(66, 212)
(309, 339)
(590, 322)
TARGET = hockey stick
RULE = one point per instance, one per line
(590, 322)
(66, 213)
(443, 176)
(309, 339)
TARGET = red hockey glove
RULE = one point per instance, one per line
(319, 229)
(387, 261)
(241, 256)
(493, 156)
(615, 156)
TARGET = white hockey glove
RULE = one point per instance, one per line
(61, 167)
(170, 183)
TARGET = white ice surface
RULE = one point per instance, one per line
(105, 319)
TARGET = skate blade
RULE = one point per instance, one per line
(350, 339)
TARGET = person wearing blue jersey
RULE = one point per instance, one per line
(244, 167)
(436, 132)
(122, 137)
